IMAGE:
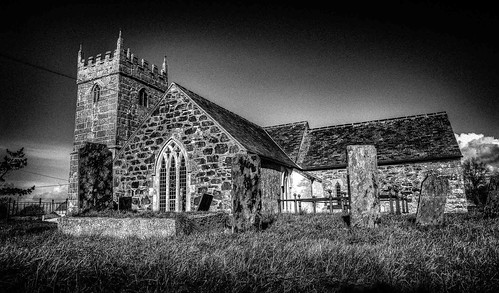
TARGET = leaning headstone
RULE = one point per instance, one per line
(363, 183)
(246, 192)
(431, 205)
(205, 203)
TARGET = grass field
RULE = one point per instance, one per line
(298, 253)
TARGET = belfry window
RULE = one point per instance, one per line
(96, 93)
(143, 98)
(172, 179)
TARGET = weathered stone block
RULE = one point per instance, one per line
(271, 190)
(246, 191)
(431, 204)
(95, 177)
(363, 181)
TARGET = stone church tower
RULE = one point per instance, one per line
(115, 92)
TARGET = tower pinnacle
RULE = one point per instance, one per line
(119, 43)
(164, 67)
(80, 53)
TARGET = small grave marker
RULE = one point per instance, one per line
(205, 203)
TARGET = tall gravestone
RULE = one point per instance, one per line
(431, 204)
(271, 191)
(246, 191)
(95, 177)
(363, 184)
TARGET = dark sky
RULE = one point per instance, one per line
(271, 64)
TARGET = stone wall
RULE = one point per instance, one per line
(209, 148)
(116, 115)
(407, 178)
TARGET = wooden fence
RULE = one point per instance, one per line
(398, 204)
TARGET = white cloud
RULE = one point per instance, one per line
(485, 148)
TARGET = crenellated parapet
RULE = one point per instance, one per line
(135, 67)
(124, 62)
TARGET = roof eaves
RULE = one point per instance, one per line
(391, 162)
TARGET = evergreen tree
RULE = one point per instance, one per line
(11, 162)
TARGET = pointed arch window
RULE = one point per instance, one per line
(172, 179)
(143, 98)
(96, 93)
(338, 189)
(162, 186)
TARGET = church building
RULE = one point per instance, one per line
(170, 145)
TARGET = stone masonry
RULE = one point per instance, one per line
(209, 148)
(116, 115)
(408, 178)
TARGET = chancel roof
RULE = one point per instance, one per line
(397, 140)
(289, 137)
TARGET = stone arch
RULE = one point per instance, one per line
(96, 92)
(171, 178)
(142, 98)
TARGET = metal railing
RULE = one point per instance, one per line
(13, 208)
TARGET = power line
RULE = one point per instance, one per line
(42, 175)
(45, 69)
(36, 66)
(43, 186)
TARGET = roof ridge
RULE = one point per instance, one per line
(186, 89)
(189, 92)
(286, 124)
(381, 120)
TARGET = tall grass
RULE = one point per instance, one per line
(312, 253)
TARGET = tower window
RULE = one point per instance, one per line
(96, 93)
(143, 98)
(338, 189)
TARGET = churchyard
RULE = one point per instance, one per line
(296, 253)
(358, 250)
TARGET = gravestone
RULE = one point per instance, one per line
(431, 204)
(491, 209)
(271, 190)
(246, 192)
(205, 203)
(363, 184)
(125, 203)
(95, 177)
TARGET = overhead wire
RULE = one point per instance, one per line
(42, 175)
(46, 69)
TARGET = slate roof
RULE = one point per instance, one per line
(415, 138)
(397, 140)
(289, 137)
(248, 134)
